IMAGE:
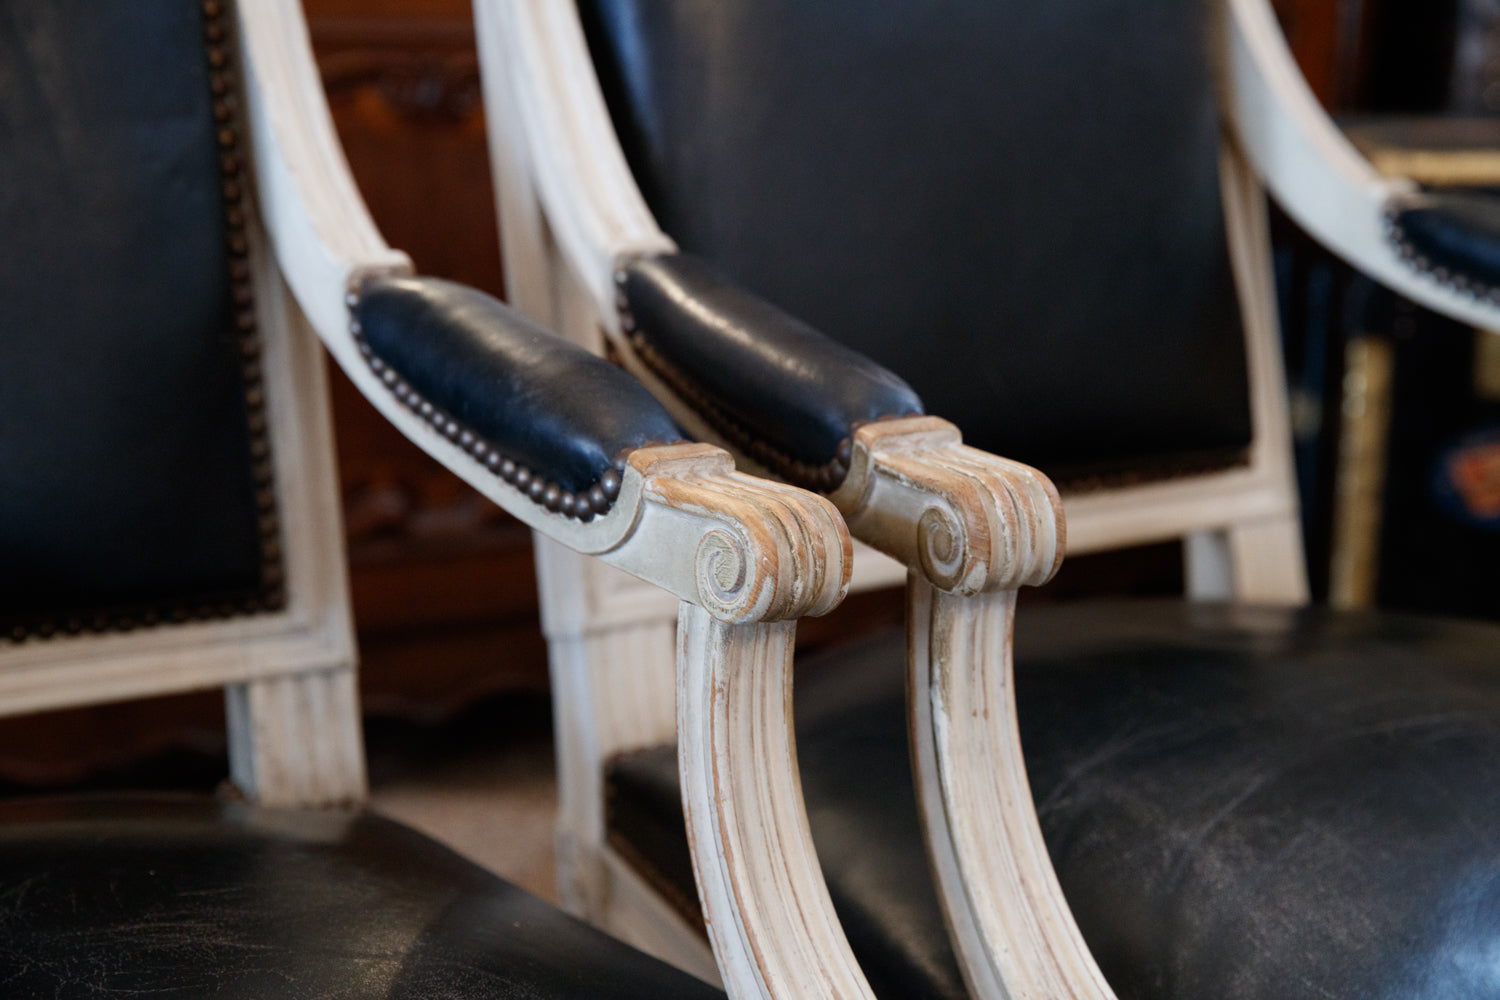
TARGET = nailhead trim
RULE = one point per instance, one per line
(583, 506)
(232, 185)
(1419, 262)
(824, 478)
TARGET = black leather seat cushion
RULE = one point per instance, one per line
(1241, 803)
(1453, 234)
(175, 898)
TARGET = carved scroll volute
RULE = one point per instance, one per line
(973, 528)
(758, 550)
(971, 521)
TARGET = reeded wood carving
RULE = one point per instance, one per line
(770, 919)
(967, 520)
(754, 550)
(973, 528)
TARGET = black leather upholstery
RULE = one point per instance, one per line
(126, 477)
(1454, 235)
(790, 395)
(176, 898)
(1014, 206)
(1240, 803)
(537, 398)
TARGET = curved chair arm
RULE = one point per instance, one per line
(680, 517)
(971, 527)
(495, 401)
(1325, 185)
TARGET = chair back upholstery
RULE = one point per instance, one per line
(1016, 206)
(135, 476)
(168, 502)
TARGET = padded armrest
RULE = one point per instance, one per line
(782, 392)
(545, 414)
(1452, 235)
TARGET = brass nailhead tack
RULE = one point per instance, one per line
(583, 506)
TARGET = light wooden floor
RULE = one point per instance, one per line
(486, 790)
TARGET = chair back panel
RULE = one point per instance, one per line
(134, 479)
(1016, 206)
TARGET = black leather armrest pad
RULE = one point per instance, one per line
(504, 387)
(785, 393)
(1453, 235)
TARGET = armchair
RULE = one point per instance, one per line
(182, 232)
(1042, 219)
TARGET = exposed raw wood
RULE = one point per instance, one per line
(967, 520)
(972, 527)
(769, 916)
(1011, 926)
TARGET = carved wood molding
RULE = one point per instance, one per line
(967, 520)
(421, 67)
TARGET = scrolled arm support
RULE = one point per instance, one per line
(741, 548)
(973, 528)
(968, 521)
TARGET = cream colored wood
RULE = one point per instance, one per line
(685, 520)
(322, 235)
(592, 217)
(757, 551)
(973, 528)
(637, 915)
(1268, 562)
(612, 653)
(1011, 927)
(770, 919)
(1312, 170)
(534, 58)
(296, 740)
(968, 521)
(1244, 538)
